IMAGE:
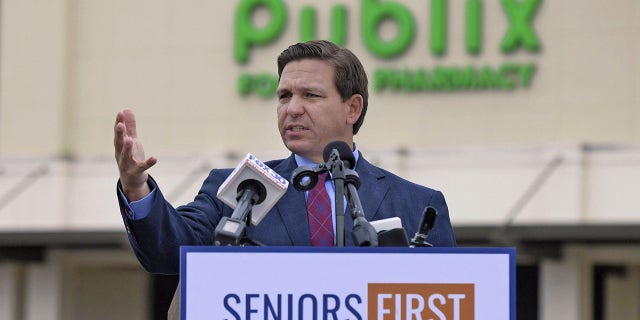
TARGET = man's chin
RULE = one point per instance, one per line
(304, 150)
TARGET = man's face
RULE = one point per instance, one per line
(311, 112)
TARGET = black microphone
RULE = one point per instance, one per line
(232, 230)
(335, 153)
(342, 149)
(250, 193)
(426, 224)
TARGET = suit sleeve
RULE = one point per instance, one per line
(156, 238)
(442, 234)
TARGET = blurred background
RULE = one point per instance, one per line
(524, 113)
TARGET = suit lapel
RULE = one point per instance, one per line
(372, 187)
(289, 207)
(371, 192)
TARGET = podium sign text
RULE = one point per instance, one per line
(283, 283)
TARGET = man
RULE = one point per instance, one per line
(322, 97)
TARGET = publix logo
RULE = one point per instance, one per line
(519, 34)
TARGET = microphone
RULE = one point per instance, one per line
(390, 232)
(343, 151)
(252, 189)
(335, 153)
(426, 224)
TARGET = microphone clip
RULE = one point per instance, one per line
(230, 232)
(304, 178)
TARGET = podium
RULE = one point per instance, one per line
(346, 283)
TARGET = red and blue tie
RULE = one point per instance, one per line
(319, 214)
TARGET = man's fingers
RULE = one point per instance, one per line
(130, 155)
(129, 122)
(140, 167)
(124, 156)
(149, 163)
(127, 149)
(131, 159)
(119, 118)
(118, 136)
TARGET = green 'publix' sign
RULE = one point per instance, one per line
(519, 35)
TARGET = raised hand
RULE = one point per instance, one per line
(130, 157)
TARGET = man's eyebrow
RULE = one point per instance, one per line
(314, 88)
(305, 88)
(281, 91)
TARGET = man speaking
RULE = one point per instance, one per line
(322, 97)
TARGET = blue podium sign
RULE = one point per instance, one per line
(283, 283)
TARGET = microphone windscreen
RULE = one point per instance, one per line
(256, 186)
(428, 220)
(250, 168)
(344, 151)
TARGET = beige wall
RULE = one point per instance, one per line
(33, 84)
(68, 66)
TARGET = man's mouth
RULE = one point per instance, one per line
(296, 128)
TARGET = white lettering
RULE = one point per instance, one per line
(456, 304)
(417, 311)
(381, 309)
(434, 308)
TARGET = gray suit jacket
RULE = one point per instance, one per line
(156, 239)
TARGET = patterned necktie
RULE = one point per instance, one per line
(319, 214)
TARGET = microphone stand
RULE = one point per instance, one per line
(336, 168)
(245, 239)
(363, 233)
(346, 183)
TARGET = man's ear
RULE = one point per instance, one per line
(354, 105)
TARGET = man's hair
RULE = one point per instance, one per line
(350, 77)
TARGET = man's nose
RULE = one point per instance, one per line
(295, 107)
